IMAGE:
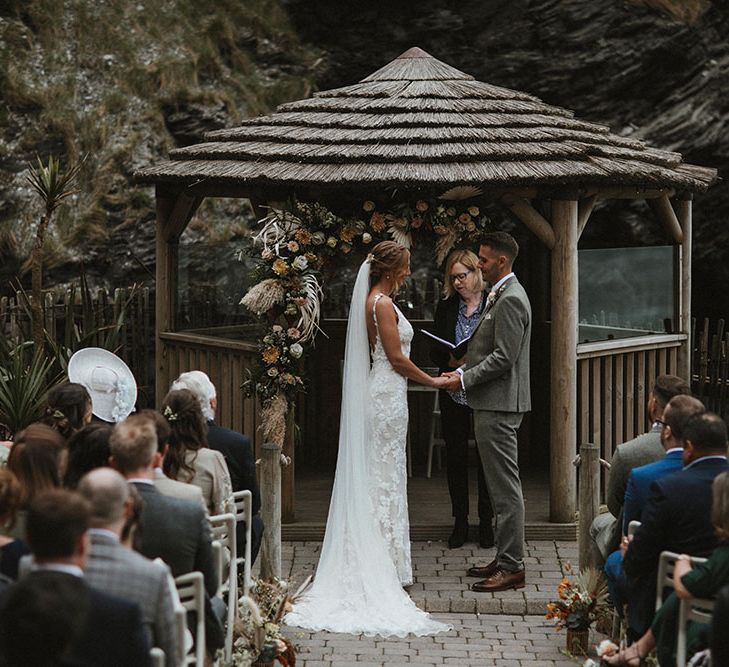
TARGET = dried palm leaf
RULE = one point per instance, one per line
(310, 311)
(278, 227)
(461, 192)
(400, 236)
(444, 244)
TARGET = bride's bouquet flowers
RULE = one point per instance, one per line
(581, 599)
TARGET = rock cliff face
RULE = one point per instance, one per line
(639, 69)
(122, 83)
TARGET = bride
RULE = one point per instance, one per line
(365, 558)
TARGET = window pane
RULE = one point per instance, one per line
(625, 292)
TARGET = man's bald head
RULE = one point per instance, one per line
(107, 492)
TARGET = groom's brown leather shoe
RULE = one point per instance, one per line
(501, 580)
(483, 571)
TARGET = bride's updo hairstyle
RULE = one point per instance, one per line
(387, 257)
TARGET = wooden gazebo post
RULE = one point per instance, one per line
(563, 436)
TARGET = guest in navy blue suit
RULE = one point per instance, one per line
(677, 516)
(52, 617)
(675, 415)
(235, 448)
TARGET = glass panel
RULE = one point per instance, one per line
(211, 283)
(625, 292)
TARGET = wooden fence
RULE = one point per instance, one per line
(68, 318)
(710, 365)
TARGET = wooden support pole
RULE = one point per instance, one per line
(589, 473)
(271, 510)
(533, 220)
(663, 210)
(583, 213)
(174, 211)
(288, 514)
(685, 219)
(563, 435)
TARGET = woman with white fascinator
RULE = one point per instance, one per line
(108, 380)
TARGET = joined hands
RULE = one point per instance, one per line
(450, 381)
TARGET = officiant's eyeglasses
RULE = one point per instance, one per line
(459, 277)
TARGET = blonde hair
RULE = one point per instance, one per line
(470, 261)
(720, 505)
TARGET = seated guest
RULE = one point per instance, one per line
(703, 581)
(189, 459)
(52, 612)
(68, 409)
(165, 485)
(37, 460)
(115, 569)
(607, 529)
(177, 531)
(11, 550)
(88, 448)
(677, 516)
(235, 447)
(678, 410)
(719, 643)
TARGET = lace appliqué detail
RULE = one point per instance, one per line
(388, 414)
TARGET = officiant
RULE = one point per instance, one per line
(456, 318)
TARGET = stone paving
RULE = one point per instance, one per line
(506, 629)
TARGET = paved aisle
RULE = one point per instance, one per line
(506, 629)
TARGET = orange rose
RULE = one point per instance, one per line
(270, 355)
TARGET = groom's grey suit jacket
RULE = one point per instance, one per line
(496, 376)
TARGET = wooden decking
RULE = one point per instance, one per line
(429, 504)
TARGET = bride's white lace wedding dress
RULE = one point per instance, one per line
(388, 418)
(365, 556)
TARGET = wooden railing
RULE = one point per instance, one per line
(614, 379)
(225, 361)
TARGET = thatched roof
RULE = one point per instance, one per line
(418, 122)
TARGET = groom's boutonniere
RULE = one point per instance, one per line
(493, 297)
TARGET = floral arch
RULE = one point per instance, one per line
(298, 245)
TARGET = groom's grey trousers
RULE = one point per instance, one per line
(497, 444)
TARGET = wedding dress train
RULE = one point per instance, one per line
(365, 556)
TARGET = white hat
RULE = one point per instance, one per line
(108, 380)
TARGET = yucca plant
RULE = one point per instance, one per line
(53, 186)
(25, 379)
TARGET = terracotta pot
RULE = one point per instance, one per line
(578, 641)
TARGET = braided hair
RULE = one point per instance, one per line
(188, 432)
(68, 404)
(386, 257)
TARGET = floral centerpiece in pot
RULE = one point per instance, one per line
(582, 599)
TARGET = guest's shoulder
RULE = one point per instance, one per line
(644, 445)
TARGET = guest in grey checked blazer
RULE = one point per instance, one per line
(496, 380)
(115, 569)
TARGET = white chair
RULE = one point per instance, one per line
(223, 529)
(244, 513)
(157, 657)
(698, 610)
(434, 440)
(666, 563)
(191, 591)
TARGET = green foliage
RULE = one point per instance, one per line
(52, 184)
(25, 379)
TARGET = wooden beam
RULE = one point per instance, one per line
(685, 220)
(625, 193)
(583, 212)
(174, 211)
(663, 210)
(534, 221)
(563, 380)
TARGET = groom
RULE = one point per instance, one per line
(496, 379)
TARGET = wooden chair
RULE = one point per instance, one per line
(698, 610)
(191, 591)
(223, 529)
(244, 514)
